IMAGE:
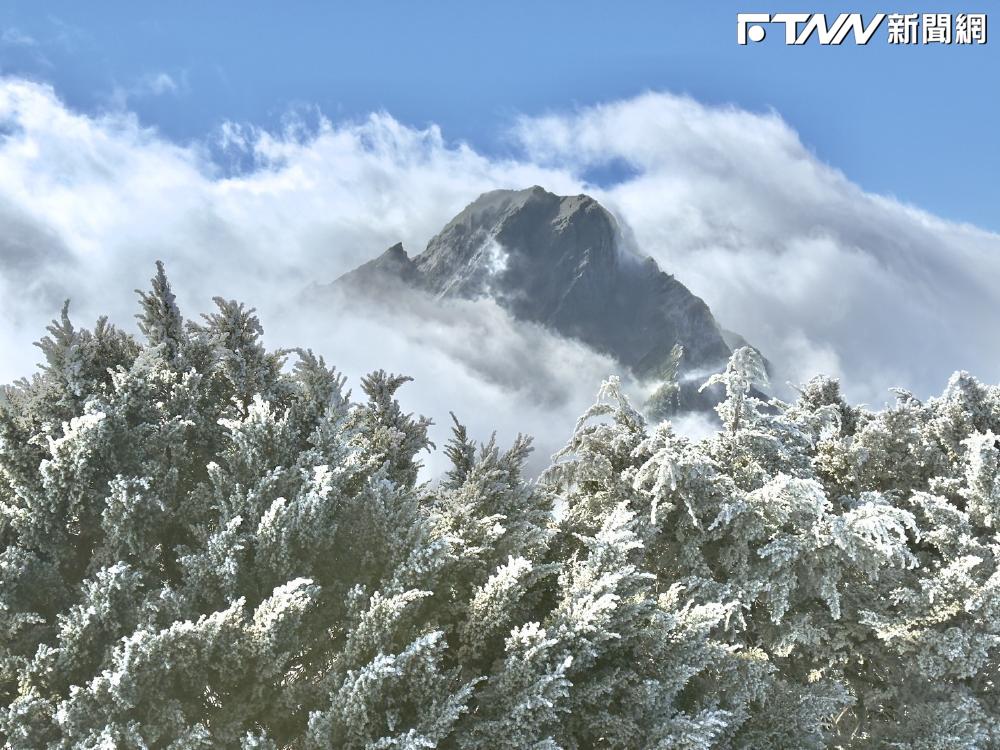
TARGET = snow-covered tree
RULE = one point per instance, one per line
(204, 543)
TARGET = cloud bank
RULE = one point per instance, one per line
(785, 249)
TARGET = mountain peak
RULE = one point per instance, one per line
(513, 237)
(558, 261)
(394, 264)
(496, 205)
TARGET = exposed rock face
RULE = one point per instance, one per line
(394, 265)
(558, 261)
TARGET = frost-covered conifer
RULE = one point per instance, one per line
(206, 545)
(160, 319)
(664, 401)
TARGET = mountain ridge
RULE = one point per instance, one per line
(559, 261)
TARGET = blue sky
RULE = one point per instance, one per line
(917, 123)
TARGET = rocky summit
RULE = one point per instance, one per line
(563, 262)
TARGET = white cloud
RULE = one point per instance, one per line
(469, 357)
(149, 85)
(14, 37)
(785, 249)
(157, 84)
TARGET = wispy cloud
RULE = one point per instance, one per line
(148, 85)
(14, 37)
(157, 84)
(67, 35)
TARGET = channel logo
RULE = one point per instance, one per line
(902, 28)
